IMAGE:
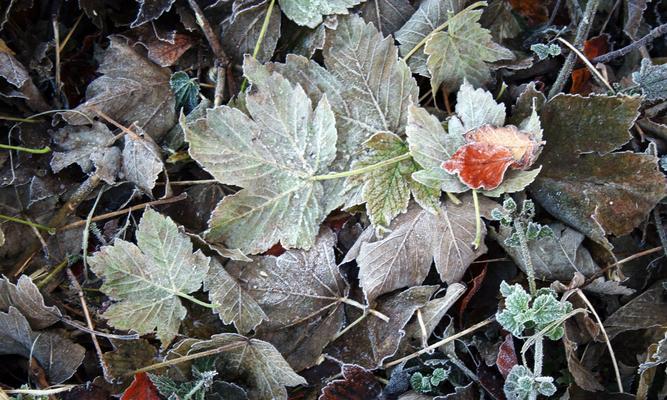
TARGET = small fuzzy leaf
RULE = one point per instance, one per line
(543, 51)
(652, 79)
(464, 51)
(147, 280)
(310, 12)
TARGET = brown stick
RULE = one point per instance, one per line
(623, 261)
(127, 210)
(222, 61)
(651, 36)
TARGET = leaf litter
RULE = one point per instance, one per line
(294, 199)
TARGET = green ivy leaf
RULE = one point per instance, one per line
(147, 279)
(271, 153)
(186, 90)
(463, 51)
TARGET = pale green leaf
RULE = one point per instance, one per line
(272, 154)
(146, 279)
(430, 146)
(430, 15)
(310, 12)
(652, 79)
(236, 305)
(264, 370)
(463, 51)
(514, 181)
(386, 191)
(474, 108)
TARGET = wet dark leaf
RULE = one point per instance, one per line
(357, 384)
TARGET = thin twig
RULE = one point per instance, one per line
(590, 66)
(582, 33)
(442, 342)
(583, 297)
(56, 39)
(89, 322)
(189, 357)
(188, 183)
(350, 326)
(127, 210)
(602, 271)
(221, 59)
(651, 36)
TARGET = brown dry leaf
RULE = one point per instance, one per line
(236, 304)
(131, 89)
(128, 356)
(373, 340)
(357, 384)
(582, 182)
(259, 363)
(27, 299)
(142, 160)
(647, 310)
(417, 238)
(301, 293)
(241, 30)
(58, 356)
(387, 15)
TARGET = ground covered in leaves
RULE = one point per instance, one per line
(343, 199)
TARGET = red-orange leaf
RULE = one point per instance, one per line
(141, 389)
(506, 356)
(480, 165)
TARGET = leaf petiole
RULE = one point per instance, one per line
(258, 45)
(478, 221)
(50, 230)
(363, 170)
(443, 26)
(197, 301)
(43, 150)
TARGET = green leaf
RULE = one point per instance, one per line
(310, 12)
(464, 51)
(272, 154)
(430, 15)
(147, 280)
(652, 79)
(517, 312)
(257, 362)
(194, 390)
(386, 191)
(185, 89)
(439, 375)
(474, 108)
(420, 383)
(521, 384)
(430, 146)
(547, 310)
(544, 51)
(378, 89)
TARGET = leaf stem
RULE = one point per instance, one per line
(363, 170)
(453, 198)
(197, 301)
(525, 254)
(262, 33)
(443, 26)
(43, 150)
(478, 221)
(442, 342)
(364, 308)
(50, 230)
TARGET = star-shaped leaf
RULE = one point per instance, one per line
(272, 153)
(259, 363)
(147, 279)
(416, 239)
(463, 51)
